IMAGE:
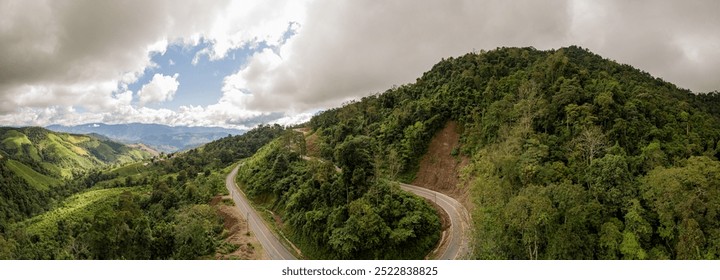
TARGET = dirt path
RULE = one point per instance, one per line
(455, 242)
(248, 247)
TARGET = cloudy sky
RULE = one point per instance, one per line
(240, 63)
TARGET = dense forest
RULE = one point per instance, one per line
(339, 212)
(153, 209)
(572, 156)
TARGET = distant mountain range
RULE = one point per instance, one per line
(162, 138)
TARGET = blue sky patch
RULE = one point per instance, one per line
(200, 84)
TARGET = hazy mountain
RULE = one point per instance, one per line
(159, 137)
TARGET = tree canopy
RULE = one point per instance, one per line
(572, 156)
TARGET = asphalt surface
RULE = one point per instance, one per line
(458, 233)
(269, 241)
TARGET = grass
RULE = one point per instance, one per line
(66, 156)
(227, 248)
(71, 208)
(14, 140)
(60, 154)
(52, 168)
(61, 147)
(130, 169)
(35, 179)
(77, 139)
(228, 202)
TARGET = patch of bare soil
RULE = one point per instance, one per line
(311, 144)
(278, 219)
(248, 247)
(216, 199)
(439, 169)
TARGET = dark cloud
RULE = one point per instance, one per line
(676, 40)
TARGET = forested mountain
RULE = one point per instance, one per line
(571, 156)
(163, 138)
(152, 209)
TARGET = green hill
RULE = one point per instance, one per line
(570, 156)
(36, 165)
(32, 177)
(60, 154)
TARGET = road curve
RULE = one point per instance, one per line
(269, 241)
(458, 233)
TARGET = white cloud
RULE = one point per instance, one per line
(346, 50)
(161, 88)
(295, 119)
(72, 62)
(67, 51)
(250, 22)
(85, 54)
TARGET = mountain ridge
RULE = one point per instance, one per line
(160, 137)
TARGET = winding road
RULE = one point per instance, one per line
(455, 243)
(272, 245)
(458, 234)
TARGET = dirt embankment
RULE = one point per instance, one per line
(235, 224)
(440, 169)
(311, 143)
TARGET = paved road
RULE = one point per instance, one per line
(273, 247)
(458, 233)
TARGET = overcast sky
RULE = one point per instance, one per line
(238, 63)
